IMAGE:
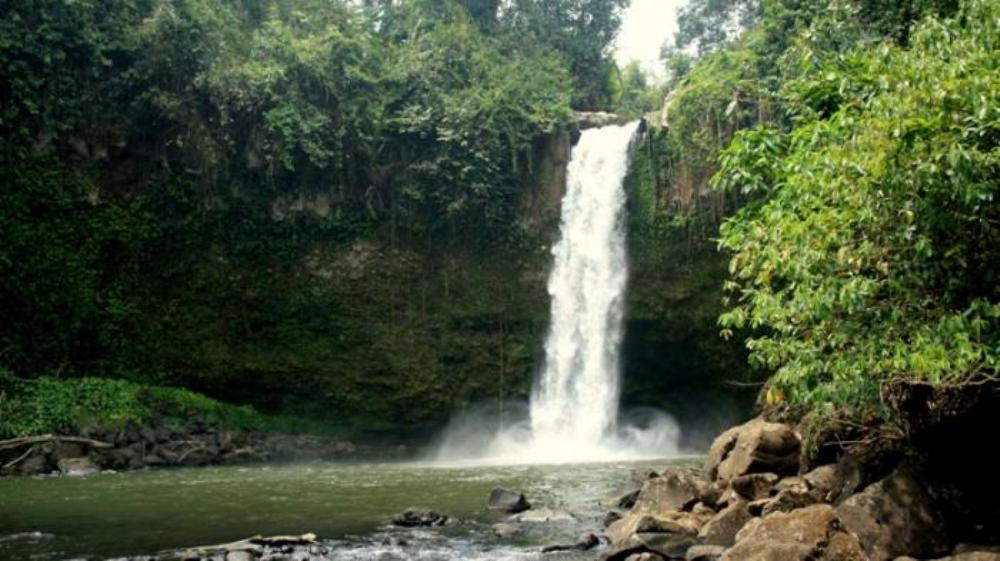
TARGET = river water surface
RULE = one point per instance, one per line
(349, 505)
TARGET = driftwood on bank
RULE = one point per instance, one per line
(255, 545)
(14, 443)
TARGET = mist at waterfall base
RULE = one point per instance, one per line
(573, 415)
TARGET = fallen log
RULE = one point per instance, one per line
(13, 443)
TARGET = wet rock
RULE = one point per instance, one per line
(257, 548)
(586, 542)
(77, 467)
(507, 501)
(611, 517)
(721, 529)
(675, 489)
(754, 447)
(789, 537)
(665, 522)
(419, 517)
(704, 553)
(754, 486)
(34, 465)
(666, 545)
(893, 517)
(628, 499)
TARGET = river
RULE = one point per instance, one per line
(350, 505)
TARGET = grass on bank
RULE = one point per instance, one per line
(69, 405)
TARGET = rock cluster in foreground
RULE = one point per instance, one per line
(752, 502)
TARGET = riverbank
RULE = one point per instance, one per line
(80, 426)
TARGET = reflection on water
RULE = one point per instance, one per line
(106, 515)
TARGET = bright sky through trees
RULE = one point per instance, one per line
(646, 24)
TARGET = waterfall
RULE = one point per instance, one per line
(575, 402)
(574, 406)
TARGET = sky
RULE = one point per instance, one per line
(646, 24)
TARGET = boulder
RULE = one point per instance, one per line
(704, 553)
(627, 500)
(754, 486)
(823, 480)
(611, 517)
(507, 501)
(417, 517)
(794, 483)
(667, 522)
(757, 446)
(585, 542)
(722, 528)
(674, 489)
(34, 465)
(805, 534)
(664, 545)
(788, 500)
(77, 467)
(895, 516)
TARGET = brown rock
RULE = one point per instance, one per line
(794, 536)
(704, 553)
(842, 547)
(823, 480)
(754, 486)
(893, 517)
(77, 467)
(789, 500)
(754, 447)
(675, 489)
(723, 527)
(794, 483)
(667, 522)
(669, 546)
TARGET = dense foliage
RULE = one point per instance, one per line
(302, 205)
(48, 405)
(850, 152)
(871, 255)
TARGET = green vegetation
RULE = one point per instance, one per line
(850, 154)
(49, 405)
(872, 254)
(313, 207)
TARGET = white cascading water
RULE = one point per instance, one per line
(575, 402)
(574, 406)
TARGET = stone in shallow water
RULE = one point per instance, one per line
(507, 501)
(416, 517)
